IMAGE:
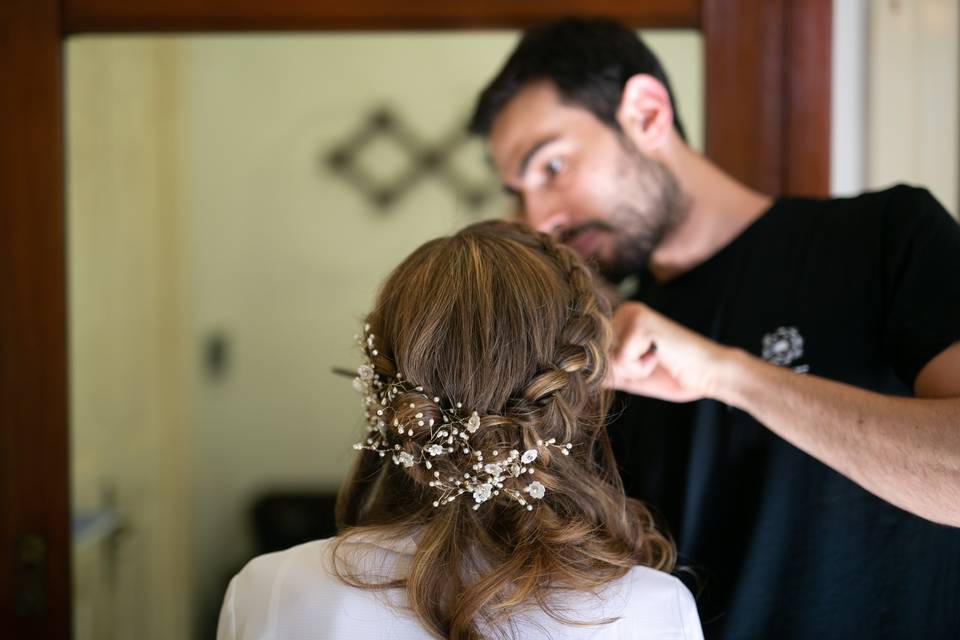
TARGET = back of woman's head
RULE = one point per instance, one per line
(483, 345)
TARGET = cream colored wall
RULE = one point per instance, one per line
(896, 96)
(914, 96)
(126, 324)
(201, 157)
(681, 52)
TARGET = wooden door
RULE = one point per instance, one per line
(767, 69)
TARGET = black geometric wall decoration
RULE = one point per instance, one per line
(423, 160)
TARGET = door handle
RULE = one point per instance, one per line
(30, 575)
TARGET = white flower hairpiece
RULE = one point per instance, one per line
(483, 478)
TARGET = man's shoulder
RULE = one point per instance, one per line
(867, 202)
(884, 215)
(897, 198)
(902, 215)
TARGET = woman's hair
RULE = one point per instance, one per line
(508, 323)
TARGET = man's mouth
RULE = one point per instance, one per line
(584, 240)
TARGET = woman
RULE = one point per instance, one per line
(485, 500)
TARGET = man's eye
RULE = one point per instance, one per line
(554, 166)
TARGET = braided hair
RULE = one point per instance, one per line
(509, 323)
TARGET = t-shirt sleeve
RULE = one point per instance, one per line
(921, 280)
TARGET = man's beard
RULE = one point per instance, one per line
(650, 206)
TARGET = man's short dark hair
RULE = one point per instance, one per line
(589, 61)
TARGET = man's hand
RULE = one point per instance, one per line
(654, 356)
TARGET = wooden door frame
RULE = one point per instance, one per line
(767, 71)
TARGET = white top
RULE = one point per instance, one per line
(295, 595)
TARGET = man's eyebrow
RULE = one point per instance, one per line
(525, 161)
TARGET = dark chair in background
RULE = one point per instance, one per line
(282, 519)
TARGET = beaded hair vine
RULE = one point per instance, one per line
(484, 478)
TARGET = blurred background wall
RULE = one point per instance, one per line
(896, 96)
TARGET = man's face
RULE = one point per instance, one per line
(581, 181)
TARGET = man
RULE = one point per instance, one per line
(813, 486)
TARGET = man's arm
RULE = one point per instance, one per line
(904, 450)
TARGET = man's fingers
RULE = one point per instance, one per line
(630, 369)
(646, 364)
(632, 338)
(658, 384)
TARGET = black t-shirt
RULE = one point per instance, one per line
(863, 290)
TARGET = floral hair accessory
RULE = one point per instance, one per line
(484, 476)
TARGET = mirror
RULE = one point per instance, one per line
(233, 204)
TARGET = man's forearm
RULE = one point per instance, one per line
(905, 450)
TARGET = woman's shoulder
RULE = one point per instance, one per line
(642, 604)
(317, 553)
(649, 581)
(275, 582)
(656, 599)
(309, 556)
(300, 588)
(362, 553)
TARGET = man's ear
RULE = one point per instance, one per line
(644, 113)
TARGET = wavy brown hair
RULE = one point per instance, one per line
(509, 323)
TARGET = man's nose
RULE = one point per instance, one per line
(545, 214)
